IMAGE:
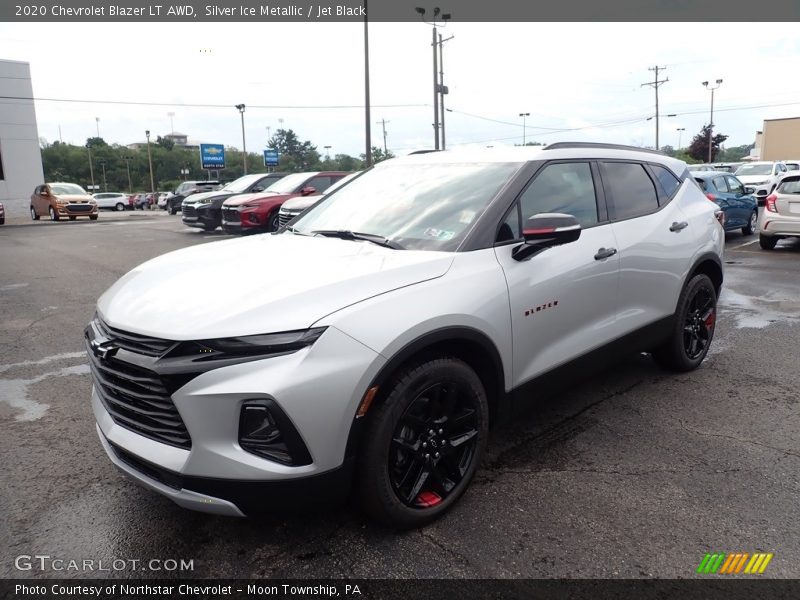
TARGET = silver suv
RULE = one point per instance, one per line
(374, 341)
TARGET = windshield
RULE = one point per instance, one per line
(754, 170)
(418, 206)
(240, 185)
(67, 189)
(289, 183)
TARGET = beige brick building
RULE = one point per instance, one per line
(779, 139)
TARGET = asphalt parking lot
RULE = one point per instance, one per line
(633, 473)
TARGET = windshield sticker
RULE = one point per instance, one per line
(439, 234)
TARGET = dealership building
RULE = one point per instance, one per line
(20, 156)
(779, 139)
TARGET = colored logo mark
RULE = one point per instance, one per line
(735, 563)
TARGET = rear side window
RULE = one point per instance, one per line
(669, 183)
(632, 190)
(790, 185)
(562, 188)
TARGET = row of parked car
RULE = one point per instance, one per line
(763, 176)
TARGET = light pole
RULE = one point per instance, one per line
(437, 88)
(523, 115)
(97, 122)
(103, 164)
(680, 131)
(91, 168)
(171, 116)
(328, 151)
(240, 108)
(128, 160)
(367, 111)
(150, 162)
(711, 120)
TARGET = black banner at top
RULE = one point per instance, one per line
(240, 11)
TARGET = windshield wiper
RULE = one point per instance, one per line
(345, 234)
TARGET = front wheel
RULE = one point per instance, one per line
(119, 207)
(423, 444)
(93, 217)
(752, 224)
(273, 223)
(211, 226)
(34, 216)
(72, 218)
(693, 329)
(53, 214)
(767, 242)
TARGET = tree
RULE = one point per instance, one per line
(377, 155)
(698, 148)
(165, 143)
(294, 155)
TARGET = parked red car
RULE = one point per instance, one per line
(247, 213)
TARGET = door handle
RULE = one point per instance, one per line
(678, 226)
(605, 253)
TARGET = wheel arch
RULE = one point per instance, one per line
(473, 347)
(708, 264)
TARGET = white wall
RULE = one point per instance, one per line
(19, 139)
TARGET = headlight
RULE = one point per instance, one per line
(61, 201)
(758, 183)
(249, 346)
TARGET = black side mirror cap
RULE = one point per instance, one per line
(546, 230)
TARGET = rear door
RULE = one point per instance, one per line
(655, 241)
(725, 200)
(562, 300)
(741, 202)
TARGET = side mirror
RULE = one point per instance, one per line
(258, 188)
(546, 230)
(308, 190)
(749, 190)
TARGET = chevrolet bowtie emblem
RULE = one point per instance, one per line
(103, 350)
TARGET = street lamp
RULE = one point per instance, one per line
(171, 116)
(240, 108)
(91, 167)
(150, 162)
(523, 115)
(97, 121)
(437, 87)
(328, 151)
(711, 120)
(680, 131)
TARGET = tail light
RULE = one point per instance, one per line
(711, 197)
(769, 203)
(720, 215)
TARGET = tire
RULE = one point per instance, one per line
(34, 216)
(53, 214)
(273, 223)
(767, 242)
(93, 217)
(172, 210)
(2, 220)
(693, 330)
(409, 470)
(211, 226)
(119, 207)
(752, 224)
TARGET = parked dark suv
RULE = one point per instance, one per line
(205, 210)
(187, 188)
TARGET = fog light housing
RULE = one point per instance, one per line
(253, 218)
(266, 431)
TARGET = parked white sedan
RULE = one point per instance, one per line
(111, 200)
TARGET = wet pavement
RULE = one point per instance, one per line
(632, 473)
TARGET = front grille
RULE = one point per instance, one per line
(134, 342)
(284, 217)
(231, 215)
(80, 207)
(137, 399)
(189, 211)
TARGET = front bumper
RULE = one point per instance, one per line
(76, 210)
(319, 388)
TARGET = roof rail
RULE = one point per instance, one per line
(562, 145)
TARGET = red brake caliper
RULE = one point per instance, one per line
(428, 499)
(711, 320)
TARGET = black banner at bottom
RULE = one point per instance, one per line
(405, 589)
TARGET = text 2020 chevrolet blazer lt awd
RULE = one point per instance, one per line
(392, 323)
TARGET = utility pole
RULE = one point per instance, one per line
(442, 87)
(711, 120)
(656, 83)
(367, 117)
(435, 93)
(91, 168)
(103, 164)
(127, 160)
(150, 163)
(383, 123)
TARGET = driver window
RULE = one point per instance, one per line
(562, 188)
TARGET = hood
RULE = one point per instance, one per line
(240, 199)
(205, 196)
(745, 179)
(300, 203)
(258, 284)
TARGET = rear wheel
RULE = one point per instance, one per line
(693, 329)
(752, 224)
(767, 242)
(34, 216)
(119, 207)
(424, 443)
(53, 214)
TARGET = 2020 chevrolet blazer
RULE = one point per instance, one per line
(393, 322)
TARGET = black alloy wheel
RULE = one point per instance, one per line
(698, 327)
(423, 442)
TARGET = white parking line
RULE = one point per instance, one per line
(745, 244)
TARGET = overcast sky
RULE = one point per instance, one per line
(570, 75)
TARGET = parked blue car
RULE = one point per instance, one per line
(736, 201)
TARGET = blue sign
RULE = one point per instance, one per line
(212, 156)
(271, 158)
